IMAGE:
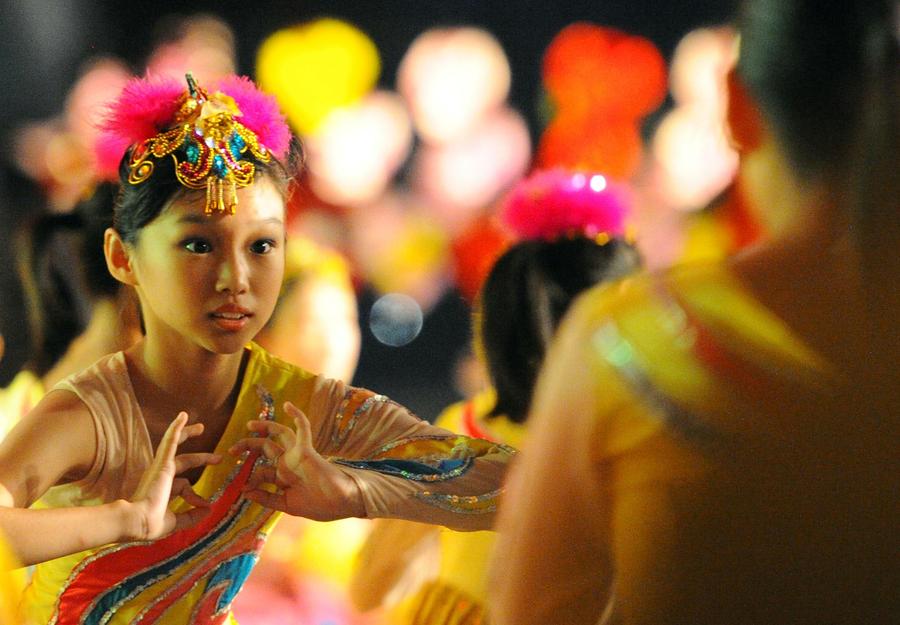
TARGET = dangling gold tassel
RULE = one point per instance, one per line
(209, 197)
(221, 197)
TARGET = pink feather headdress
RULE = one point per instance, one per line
(556, 203)
(205, 132)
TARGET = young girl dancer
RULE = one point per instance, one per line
(199, 233)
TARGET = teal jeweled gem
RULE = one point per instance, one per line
(237, 145)
(192, 152)
(218, 166)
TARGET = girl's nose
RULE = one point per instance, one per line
(232, 275)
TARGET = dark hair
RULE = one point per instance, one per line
(139, 204)
(815, 69)
(827, 77)
(523, 299)
(63, 271)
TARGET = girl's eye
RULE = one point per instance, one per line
(197, 246)
(263, 246)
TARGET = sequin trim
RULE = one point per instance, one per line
(413, 473)
(342, 428)
(463, 504)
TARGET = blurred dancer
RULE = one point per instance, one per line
(730, 448)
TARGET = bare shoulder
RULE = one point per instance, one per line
(54, 443)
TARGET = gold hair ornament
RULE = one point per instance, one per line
(207, 143)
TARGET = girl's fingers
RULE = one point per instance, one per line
(182, 488)
(190, 517)
(183, 462)
(303, 447)
(281, 434)
(267, 446)
(169, 442)
(189, 431)
(261, 475)
(275, 501)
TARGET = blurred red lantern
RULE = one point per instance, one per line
(591, 142)
(594, 67)
(474, 253)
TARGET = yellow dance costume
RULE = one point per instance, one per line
(192, 575)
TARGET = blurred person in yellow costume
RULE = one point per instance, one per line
(730, 450)
(567, 231)
(10, 580)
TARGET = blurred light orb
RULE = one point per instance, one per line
(691, 144)
(358, 149)
(598, 183)
(452, 78)
(470, 173)
(316, 67)
(592, 141)
(396, 319)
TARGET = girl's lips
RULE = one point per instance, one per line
(230, 321)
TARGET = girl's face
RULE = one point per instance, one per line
(211, 280)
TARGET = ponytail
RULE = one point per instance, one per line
(55, 313)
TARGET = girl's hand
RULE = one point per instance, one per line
(150, 514)
(308, 484)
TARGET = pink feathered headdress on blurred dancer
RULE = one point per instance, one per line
(556, 203)
(207, 134)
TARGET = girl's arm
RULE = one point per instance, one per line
(362, 455)
(56, 444)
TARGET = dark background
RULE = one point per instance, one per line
(44, 42)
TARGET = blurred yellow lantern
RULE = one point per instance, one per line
(316, 67)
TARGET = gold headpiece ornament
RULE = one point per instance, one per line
(207, 143)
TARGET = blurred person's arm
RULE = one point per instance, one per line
(397, 557)
(552, 563)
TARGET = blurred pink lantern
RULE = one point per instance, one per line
(451, 79)
(691, 146)
(462, 178)
(85, 104)
(702, 59)
(201, 44)
(356, 151)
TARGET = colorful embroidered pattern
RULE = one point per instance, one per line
(435, 459)
(147, 580)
